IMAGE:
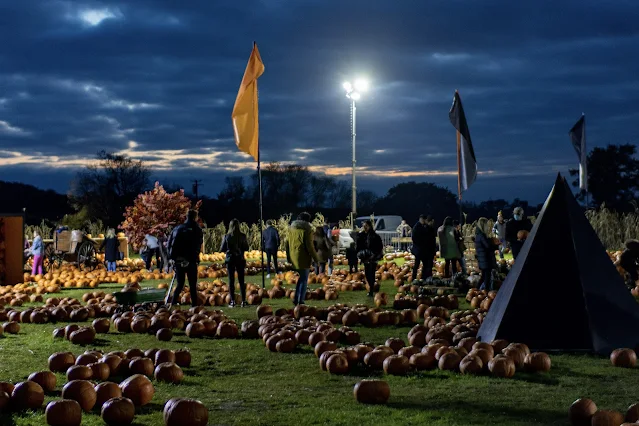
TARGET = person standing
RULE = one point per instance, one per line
(485, 252)
(370, 249)
(153, 249)
(459, 236)
(323, 246)
(448, 247)
(235, 244)
(37, 250)
(184, 247)
(424, 241)
(518, 223)
(111, 247)
(404, 231)
(271, 245)
(499, 229)
(301, 253)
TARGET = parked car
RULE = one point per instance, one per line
(384, 223)
(345, 239)
(385, 226)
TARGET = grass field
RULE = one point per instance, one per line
(242, 383)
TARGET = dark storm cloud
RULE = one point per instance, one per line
(157, 79)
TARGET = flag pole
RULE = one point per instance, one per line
(583, 114)
(259, 184)
(459, 191)
(259, 179)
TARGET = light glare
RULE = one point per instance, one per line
(361, 85)
(355, 96)
(347, 86)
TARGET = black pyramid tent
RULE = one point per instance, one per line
(563, 292)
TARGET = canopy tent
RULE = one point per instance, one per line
(563, 292)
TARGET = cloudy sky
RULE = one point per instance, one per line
(157, 80)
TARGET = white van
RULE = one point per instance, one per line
(383, 223)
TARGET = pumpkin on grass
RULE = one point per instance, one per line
(581, 411)
(537, 362)
(502, 366)
(81, 391)
(63, 413)
(183, 358)
(185, 411)
(139, 389)
(168, 372)
(106, 391)
(27, 395)
(624, 357)
(46, 379)
(61, 361)
(606, 418)
(118, 411)
(371, 391)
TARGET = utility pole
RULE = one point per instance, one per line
(196, 184)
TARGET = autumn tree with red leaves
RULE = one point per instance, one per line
(155, 212)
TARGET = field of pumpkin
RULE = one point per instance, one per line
(71, 355)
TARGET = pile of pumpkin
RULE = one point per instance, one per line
(66, 310)
(196, 322)
(343, 280)
(480, 298)
(584, 412)
(251, 254)
(430, 347)
(117, 402)
(68, 276)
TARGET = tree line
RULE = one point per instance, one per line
(103, 190)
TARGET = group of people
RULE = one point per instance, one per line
(451, 246)
(305, 246)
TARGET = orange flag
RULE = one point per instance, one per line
(245, 122)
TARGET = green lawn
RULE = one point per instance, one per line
(242, 383)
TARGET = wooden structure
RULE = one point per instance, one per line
(72, 246)
(11, 248)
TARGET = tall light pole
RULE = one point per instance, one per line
(354, 93)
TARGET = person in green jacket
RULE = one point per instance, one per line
(448, 247)
(300, 252)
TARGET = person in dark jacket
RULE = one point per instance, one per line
(351, 257)
(111, 247)
(323, 246)
(184, 248)
(485, 251)
(370, 249)
(271, 245)
(424, 246)
(235, 244)
(518, 223)
(459, 236)
(629, 261)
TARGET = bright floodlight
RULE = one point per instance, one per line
(361, 85)
(355, 96)
(347, 86)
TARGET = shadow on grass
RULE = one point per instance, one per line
(541, 379)
(468, 409)
(149, 408)
(564, 371)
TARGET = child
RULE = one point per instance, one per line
(629, 260)
(351, 256)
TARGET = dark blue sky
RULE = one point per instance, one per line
(157, 79)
